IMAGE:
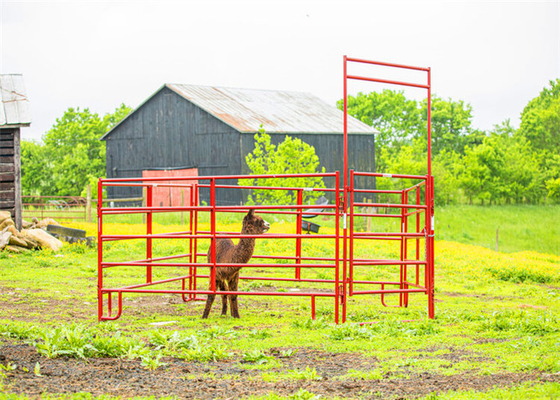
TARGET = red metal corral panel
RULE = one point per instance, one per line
(171, 196)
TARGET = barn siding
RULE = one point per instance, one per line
(7, 171)
(169, 132)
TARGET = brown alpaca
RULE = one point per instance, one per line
(227, 252)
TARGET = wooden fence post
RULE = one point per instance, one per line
(88, 203)
(497, 236)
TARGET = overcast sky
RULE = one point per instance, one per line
(494, 55)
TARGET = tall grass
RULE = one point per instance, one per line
(520, 228)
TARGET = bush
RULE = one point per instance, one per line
(292, 156)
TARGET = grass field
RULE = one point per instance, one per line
(535, 228)
(496, 334)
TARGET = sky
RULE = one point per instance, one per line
(494, 55)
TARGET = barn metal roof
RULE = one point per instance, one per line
(278, 111)
(14, 108)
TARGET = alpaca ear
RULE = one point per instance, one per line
(251, 213)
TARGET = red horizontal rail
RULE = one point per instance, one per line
(390, 82)
(381, 175)
(377, 215)
(202, 265)
(414, 213)
(388, 262)
(389, 205)
(165, 291)
(124, 210)
(389, 291)
(111, 181)
(108, 238)
(308, 189)
(397, 234)
(385, 64)
(414, 285)
(377, 191)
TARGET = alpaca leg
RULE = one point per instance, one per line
(233, 283)
(222, 287)
(209, 302)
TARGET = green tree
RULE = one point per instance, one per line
(551, 176)
(400, 120)
(35, 175)
(292, 156)
(451, 124)
(397, 119)
(540, 125)
(72, 153)
(540, 119)
(481, 175)
(445, 167)
(522, 176)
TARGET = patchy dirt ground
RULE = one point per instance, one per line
(223, 379)
(227, 379)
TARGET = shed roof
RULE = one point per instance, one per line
(278, 111)
(14, 107)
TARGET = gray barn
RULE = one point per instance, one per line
(212, 129)
(14, 113)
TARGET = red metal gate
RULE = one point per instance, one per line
(341, 261)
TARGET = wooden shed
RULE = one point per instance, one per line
(212, 129)
(14, 113)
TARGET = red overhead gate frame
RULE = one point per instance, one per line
(341, 261)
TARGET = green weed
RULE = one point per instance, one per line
(18, 330)
(259, 334)
(152, 361)
(521, 322)
(520, 275)
(306, 374)
(311, 324)
(256, 357)
(205, 353)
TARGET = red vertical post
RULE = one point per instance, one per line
(313, 307)
(110, 303)
(402, 240)
(430, 205)
(149, 203)
(191, 241)
(430, 239)
(99, 249)
(337, 245)
(345, 188)
(417, 239)
(345, 155)
(213, 234)
(429, 123)
(344, 252)
(298, 231)
(405, 249)
(351, 238)
(195, 242)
